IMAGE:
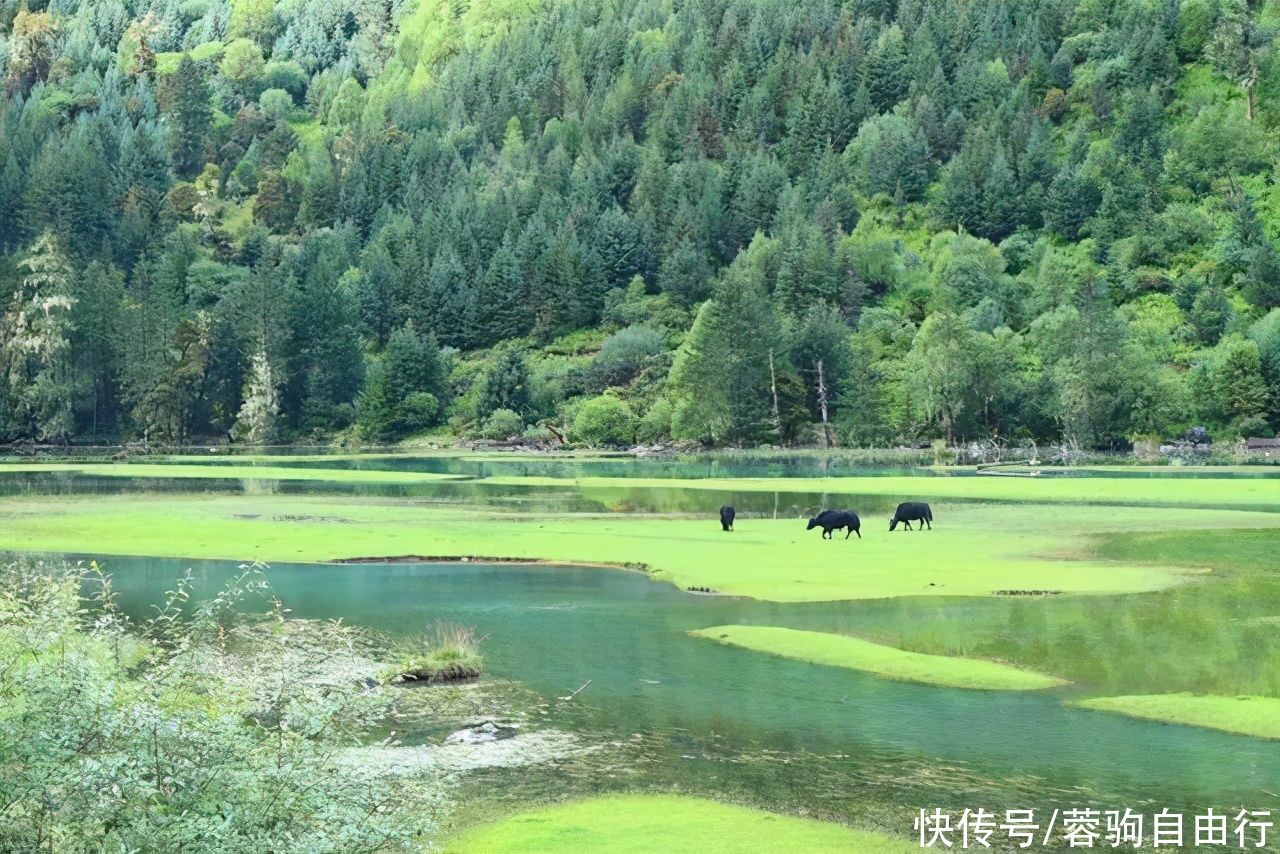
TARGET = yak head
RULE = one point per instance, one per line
(893, 523)
(813, 523)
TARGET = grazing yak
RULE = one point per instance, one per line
(726, 517)
(834, 520)
(912, 511)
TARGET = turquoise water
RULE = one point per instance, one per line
(554, 628)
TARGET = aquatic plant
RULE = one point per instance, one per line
(446, 652)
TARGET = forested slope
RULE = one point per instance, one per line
(722, 221)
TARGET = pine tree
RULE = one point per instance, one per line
(887, 74)
(821, 352)
(505, 385)
(1239, 380)
(502, 301)
(1001, 201)
(190, 116)
(725, 374)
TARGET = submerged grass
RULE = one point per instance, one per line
(973, 550)
(1208, 492)
(1256, 493)
(1246, 715)
(855, 654)
(670, 824)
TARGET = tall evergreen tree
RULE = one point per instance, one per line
(190, 115)
(35, 347)
(725, 375)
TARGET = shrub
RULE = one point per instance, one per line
(156, 736)
(287, 75)
(655, 424)
(625, 352)
(1254, 425)
(419, 410)
(501, 425)
(605, 420)
(538, 433)
(277, 104)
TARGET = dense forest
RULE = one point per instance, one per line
(725, 221)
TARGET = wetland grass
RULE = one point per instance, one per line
(447, 652)
(854, 654)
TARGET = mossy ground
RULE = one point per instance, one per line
(855, 654)
(665, 824)
(1246, 715)
(972, 551)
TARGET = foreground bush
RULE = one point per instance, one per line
(125, 737)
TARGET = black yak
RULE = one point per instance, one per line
(912, 511)
(726, 517)
(834, 520)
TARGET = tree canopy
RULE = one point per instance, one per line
(911, 220)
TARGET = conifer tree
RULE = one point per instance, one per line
(189, 117)
(35, 347)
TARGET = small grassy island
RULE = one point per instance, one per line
(856, 654)
(1255, 716)
(446, 654)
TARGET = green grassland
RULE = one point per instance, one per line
(855, 654)
(977, 551)
(669, 824)
(1247, 715)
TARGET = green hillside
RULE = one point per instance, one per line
(723, 221)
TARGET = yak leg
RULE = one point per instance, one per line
(907, 524)
(930, 524)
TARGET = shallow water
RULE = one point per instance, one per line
(694, 466)
(554, 628)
